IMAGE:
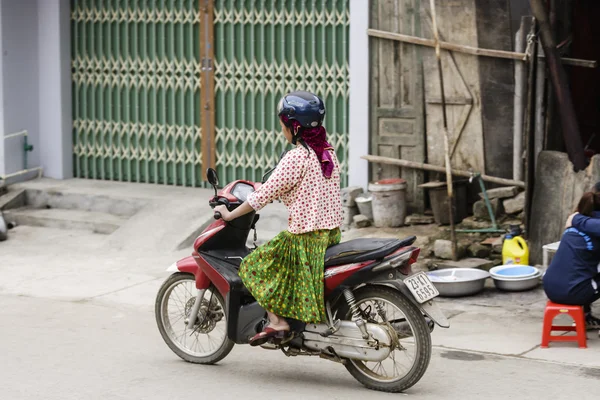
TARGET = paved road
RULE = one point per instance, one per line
(54, 349)
(76, 322)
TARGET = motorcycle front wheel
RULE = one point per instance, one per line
(206, 342)
(410, 356)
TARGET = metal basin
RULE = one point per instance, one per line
(512, 285)
(456, 282)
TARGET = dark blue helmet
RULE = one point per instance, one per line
(306, 108)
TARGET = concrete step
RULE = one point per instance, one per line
(158, 216)
(96, 222)
(92, 202)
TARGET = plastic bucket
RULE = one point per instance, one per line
(364, 203)
(388, 202)
(438, 197)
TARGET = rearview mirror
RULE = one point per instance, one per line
(212, 177)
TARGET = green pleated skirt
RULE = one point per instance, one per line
(285, 275)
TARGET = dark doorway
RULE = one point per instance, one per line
(585, 82)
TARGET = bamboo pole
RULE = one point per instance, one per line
(436, 168)
(519, 100)
(511, 55)
(530, 126)
(446, 139)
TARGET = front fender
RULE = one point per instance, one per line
(190, 266)
(173, 268)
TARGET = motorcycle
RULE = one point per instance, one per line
(379, 314)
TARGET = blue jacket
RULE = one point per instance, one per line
(576, 259)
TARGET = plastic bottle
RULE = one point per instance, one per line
(515, 251)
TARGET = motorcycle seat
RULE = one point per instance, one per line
(359, 250)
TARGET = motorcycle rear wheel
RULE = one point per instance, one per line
(173, 303)
(378, 377)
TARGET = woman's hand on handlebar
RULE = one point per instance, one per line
(225, 214)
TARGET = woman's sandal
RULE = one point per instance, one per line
(266, 335)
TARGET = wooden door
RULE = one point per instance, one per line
(457, 23)
(396, 94)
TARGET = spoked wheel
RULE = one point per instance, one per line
(207, 341)
(411, 352)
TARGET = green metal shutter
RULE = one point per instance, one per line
(136, 84)
(263, 49)
(136, 90)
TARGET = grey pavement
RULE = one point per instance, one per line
(77, 322)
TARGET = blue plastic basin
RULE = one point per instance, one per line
(517, 271)
(514, 272)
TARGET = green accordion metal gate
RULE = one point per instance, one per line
(139, 102)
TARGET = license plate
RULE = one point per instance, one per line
(421, 287)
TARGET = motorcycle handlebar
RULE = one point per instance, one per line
(218, 215)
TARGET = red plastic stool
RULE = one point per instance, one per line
(576, 312)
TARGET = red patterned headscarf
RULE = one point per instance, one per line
(316, 139)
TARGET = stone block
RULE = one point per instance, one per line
(478, 263)
(501, 193)
(515, 205)
(349, 213)
(443, 249)
(495, 244)
(480, 210)
(349, 195)
(416, 219)
(361, 221)
(478, 251)
(471, 223)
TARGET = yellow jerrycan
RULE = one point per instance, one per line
(515, 251)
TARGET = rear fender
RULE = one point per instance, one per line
(394, 279)
(430, 308)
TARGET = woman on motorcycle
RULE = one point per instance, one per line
(285, 275)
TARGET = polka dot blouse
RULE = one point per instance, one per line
(314, 201)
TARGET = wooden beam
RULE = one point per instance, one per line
(436, 168)
(511, 55)
(207, 91)
(447, 45)
(575, 62)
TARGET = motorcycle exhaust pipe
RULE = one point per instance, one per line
(402, 327)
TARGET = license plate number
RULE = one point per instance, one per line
(421, 287)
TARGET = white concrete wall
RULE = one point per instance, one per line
(20, 67)
(56, 139)
(35, 85)
(2, 133)
(358, 169)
